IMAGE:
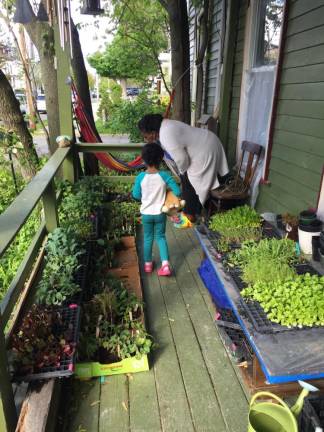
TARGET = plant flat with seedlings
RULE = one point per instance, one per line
(45, 343)
(295, 302)
(237, 225)
(267, 260)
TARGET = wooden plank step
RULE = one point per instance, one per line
(114, 406)
(144, 407)
(83, 413)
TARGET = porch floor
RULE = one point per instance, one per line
(192, 384)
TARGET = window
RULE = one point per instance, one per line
(268, 32)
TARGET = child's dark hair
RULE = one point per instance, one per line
(150, 123)
(152, 154)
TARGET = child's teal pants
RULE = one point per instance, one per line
(154, 229)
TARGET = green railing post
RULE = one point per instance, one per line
(50, 207)
(8, 413)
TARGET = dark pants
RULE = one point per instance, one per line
(193, 206)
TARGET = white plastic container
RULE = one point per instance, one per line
(305, 234)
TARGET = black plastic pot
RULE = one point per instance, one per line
(306, 217)
(314, 226)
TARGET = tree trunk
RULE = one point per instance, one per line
(13, 120)
(42, 36)
(179, 33)
(123, 85)
(29, 96)
(81, 81)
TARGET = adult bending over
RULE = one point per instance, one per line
(198, 154)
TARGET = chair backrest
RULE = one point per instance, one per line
(254, 153)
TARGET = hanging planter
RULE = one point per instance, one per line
(91, 7)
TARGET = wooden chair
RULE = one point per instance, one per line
(236, 191)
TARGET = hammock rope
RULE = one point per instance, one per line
(90, 136)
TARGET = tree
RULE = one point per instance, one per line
(13, 120)
(42, 35)
(179, 35)
(124, 59)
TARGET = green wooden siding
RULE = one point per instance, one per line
(214, 59)
(236, 85)
(298, 145)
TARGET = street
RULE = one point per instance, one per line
(42, 148)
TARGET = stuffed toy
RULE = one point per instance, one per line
(172, 204)
(172, 207)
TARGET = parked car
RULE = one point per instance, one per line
(132, 91)
(41, 104)
(22, 102)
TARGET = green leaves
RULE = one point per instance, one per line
(267, 260)
(237, 225)
(295, 302)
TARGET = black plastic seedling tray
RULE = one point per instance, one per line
(236, 276)
(258, 316)
(71, 323)
(306, 268)
(81, 275)
(312, 415)
(233, 336)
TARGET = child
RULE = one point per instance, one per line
(150, 187)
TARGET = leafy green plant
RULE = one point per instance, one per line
(237, 225)
(257, 270)
(112, 323)
(269, 259)
(42, 340)
(280, 250)
(63, 252)
(295, 302)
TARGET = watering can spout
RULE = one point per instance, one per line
(296, 409)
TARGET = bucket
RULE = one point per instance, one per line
(305, 234)
(270, 417)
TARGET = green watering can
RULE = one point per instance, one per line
(271, 417)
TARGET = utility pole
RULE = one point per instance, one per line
(29, 94)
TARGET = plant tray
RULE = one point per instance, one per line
(258, 316)
(71, 320)
(269, 231)
(312, 415)
(259, 319)
(95, 369)
(233, 336)
(306, 268)
(81, 275)
(128, 272)
(95, 221)
(236, 276)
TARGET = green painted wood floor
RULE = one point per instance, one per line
(191, 386)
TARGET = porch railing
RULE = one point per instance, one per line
(40, 188)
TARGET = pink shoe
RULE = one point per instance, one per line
(148, 267)
(164, 270)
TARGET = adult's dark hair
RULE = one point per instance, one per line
(150, 123)
(152, 154)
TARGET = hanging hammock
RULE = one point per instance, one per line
(90, 136)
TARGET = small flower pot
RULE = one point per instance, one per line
(307, 217)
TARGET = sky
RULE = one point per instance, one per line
(92, 37)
